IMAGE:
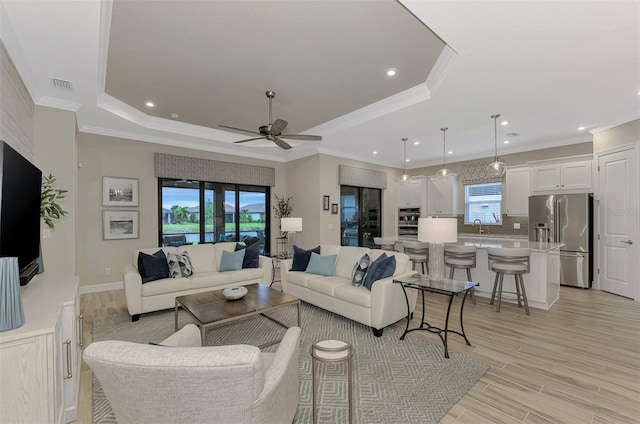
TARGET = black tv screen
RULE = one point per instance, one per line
(19, 210)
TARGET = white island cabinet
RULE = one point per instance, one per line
(542, 283)
(40, 361)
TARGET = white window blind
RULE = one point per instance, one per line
(483, 202)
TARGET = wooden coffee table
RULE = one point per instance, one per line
(212, 308)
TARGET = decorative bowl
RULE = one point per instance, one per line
(235, 293)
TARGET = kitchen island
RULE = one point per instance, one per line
(542, 283)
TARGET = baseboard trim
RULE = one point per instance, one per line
(96, 288)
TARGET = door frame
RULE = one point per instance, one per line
(635, 147)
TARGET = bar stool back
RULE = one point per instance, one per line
(385, 243)
(418, 252)
(461, 257)
(509, 261)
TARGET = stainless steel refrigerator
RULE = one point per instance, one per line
(568, 219)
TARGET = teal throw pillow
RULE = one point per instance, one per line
(383, 267)
(360, 270)
(321, 265)
(231, 261)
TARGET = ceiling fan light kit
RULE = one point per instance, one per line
(273, 130)
(497, 168)
(444, 172)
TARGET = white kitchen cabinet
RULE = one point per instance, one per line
(517, 190)
(442, 196)
(40, 361)
(572, 177)
(412, 194)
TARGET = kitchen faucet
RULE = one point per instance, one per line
(479, 222)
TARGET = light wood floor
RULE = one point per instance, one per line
(578, 363)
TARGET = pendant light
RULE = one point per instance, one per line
(444, 172)
(496, 168)
(404, 178)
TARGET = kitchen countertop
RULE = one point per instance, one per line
(483, 242)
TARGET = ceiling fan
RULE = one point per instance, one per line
(273, 131)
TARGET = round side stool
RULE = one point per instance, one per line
(328, 351)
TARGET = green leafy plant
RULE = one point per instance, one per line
(50, 210)
(283, 207)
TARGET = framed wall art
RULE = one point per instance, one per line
(117, 225)
(334, 208)
(325, 202)
(119, 191)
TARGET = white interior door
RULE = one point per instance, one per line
(618, 210)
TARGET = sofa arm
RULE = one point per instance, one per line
(285, 266)
(187, 336)
(266, 264)
(132, 289)
(388, 302)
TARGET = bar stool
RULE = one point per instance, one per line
(385, 243)
(461, 257)
(418, 252)
(510, 261)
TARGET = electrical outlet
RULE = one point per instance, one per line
(516, 225)
(46, 233)
(107, 271)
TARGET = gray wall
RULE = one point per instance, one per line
(628, 133)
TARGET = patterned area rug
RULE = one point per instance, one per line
(395, 381)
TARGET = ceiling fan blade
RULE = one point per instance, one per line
(248, 139)
(278, 126)
(238, 129)
(302, 137)
(281, 143)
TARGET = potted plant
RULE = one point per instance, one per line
(283, 209)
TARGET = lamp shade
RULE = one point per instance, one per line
(292, 225)
(438, 230)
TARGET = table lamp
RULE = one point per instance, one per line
(290, 226)
(437, 231)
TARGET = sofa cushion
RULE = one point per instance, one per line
(299, 278)
(301, 257)
(165, 285)
(382, 267)
(321, 265)
(153, 267)
(251, 255)
(179, 265)
(347, 257)
(326, 285)
(357, 295)
(203, 257)
(231, 261)
(360, 270)
(209, 279)
(229, 246)
(246, 274)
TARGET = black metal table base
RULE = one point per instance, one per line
(425, 326)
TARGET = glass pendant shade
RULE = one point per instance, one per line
(444, 172)
(404, 178)
(497, 168)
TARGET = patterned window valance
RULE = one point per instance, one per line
(359, 177)
(476, 173)
(182, 167)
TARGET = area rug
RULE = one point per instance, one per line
(395, 381)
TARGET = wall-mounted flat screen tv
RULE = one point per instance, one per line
(20, 210)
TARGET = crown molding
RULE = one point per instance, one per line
(59, 104)
(620, 121)
(441, 68)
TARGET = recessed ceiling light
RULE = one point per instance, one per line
(375, 152)
(504, 123)
(174, 116)
(391, 72)
(415, 143)
(506, 142)
(580, 128)
(449, 152)
(407, 160)
(149, 104)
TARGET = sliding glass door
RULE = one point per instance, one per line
(360, 215)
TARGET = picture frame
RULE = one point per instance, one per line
(119, 191)
(118, 225)
(334, 208)
(325, 202)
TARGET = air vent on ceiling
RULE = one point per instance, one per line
(61, 84)
(512, 134)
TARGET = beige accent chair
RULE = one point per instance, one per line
(182, 382)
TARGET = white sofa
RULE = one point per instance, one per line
(205, 259)
(379, 307)
(187, 383)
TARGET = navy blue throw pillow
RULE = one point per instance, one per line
(153, 267)
(382, 267)
(301, 258)
(251, 255)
